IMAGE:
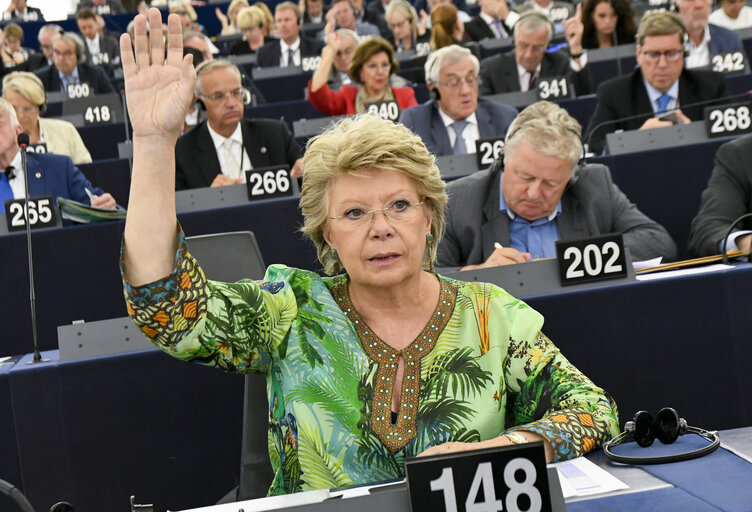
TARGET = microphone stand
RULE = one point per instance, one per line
(724, 255)
(23, 143)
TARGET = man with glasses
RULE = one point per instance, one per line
(521, 69)
(40, 60)
(660, 86)
(516, 210)
(70, 67)
(456, 118)
(218, 151)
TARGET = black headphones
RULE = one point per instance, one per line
(666, 427)
(498, 164)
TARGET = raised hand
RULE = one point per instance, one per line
(222, 18)
(158, 93)
(331, 34)
(573, 30)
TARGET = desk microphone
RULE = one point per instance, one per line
(646, 115)
(126, 118)
(23, 143)
(724, 256)
(16, 495)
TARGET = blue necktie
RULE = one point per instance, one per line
(663, 100)
(5, 191)
(459, 143)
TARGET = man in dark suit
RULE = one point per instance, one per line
(314, 11)
(39, 60)
(100, 50)
(103, 7)
(375, 14)
(49, 174)
(490, 23)
(727, 197)
(291, 47)
(218, 151)
(498, 218)
(669, 86)
(69, 67)
(521, 69)
(20, 12)
(452, 73)
(704, 39)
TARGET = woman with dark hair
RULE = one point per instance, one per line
(602, 17)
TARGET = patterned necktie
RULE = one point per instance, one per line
(232, 166)
(533, 83)
(663, 101)
(290, 55)
(5, 191)
(459, 143)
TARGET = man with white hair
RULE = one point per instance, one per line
(522, 68)
(49, 174)
(704, 39)
(456, 118)
(40, 60)
(537, 194)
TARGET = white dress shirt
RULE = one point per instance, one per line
(654, 94)
(284, 47)
(470, 134)
(238, 152)
(17, 182)
(699, 54)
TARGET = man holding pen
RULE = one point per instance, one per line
(540, 193)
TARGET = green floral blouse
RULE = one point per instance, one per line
(481, 367)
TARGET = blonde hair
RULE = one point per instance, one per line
(269, 24)
(27, 85)
(405, 9)
(232, 6)
(363, 142)
(548, 129)
(250, 17)
(5, 105)
(184, 7)
(14, 30)
(443, 21)
(661, 24)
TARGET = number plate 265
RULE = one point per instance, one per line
(592, 259)
(509, 478)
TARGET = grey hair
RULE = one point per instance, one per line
(76, 40)
(533, 21)
(210, 65)
(447, 55)
(349, 33)
(50, 26)
(5, 105)
(548, 129)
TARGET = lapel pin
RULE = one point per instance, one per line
(38, 175)
(263, 150)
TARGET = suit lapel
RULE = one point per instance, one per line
(495, 226)
(569, 229)
(208, 161)
(257, 151)
(486, 127)
(439, 133)
(512, 79)
(37, 178)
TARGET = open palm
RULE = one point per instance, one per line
(158, 92)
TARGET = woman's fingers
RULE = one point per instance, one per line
(156, 41)
(175, 41)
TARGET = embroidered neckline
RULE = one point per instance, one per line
(395, 436)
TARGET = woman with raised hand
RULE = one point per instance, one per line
(384, 361)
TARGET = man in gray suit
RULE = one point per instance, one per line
(498, 218)
(451, 123)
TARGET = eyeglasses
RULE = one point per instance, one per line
(671, 55)
(535, 48)
(456, 83)
(236, 94)
(397, 210)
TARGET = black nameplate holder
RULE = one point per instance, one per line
(39, 147)
(728, 63)
(388, 110)
(310, 63)
(41, 212)
(95, 109)
(591, 259)
(725, 120)
(488, 150)
(269, 182)
(556, 87)
(512, 477)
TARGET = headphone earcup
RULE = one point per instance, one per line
(667, 425)
(644, 429)
(201, 105)
(434, 94)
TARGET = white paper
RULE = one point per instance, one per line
(684, 272)
(361, 490)
(639, 265)
(269, 503)
(3, 359)
(580, 477)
